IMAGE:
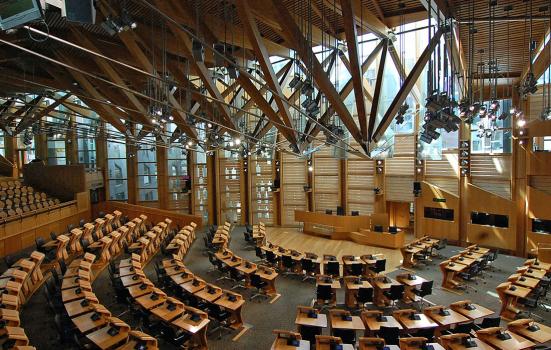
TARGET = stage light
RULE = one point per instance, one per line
(237, 141)
(310, 168)
(521, 122)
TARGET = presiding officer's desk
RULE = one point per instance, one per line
(348, 227)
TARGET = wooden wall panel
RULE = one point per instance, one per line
(539, 164)
(539, 206)
(433, 227)
(327, 189)
(483, 201)
(399, 188)
(21, 232)
(541, 183)
(62, 181)
(492, 173)
(293, 180)
(154, 215)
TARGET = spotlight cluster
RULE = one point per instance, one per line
(119, 24)
(439, 115)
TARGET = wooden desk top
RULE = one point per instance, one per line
(85, 324)
(525, 281)
(70, 282)
(130, 280)
(409, 282)
(178, 269)
(535, 273)
(384, 285)
(538, 264)
(478, 312)
(335, 283)
(520, 292)
(246, 270)
(338, 323)
(423, 322)
(281, 344)
(187, 324)
(480, 345)
(352, 285)
(373, 325)
(266, 276)
(164, 313)
(472, 255)
(453, 317)
(455, 266)
(464, 260)
(542, 335)
(302, 319)
(132, 344)
(192, 289)
(210, 297)
(516, 341)
(356, 260)
(147, 303)
(435, 346)
(75, 308)
(227, 304)
(72, 294)
(182, 277)
(104, 340)
(136, 290)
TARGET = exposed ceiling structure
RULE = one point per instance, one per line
(252, 52)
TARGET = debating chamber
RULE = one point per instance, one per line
(275, 174)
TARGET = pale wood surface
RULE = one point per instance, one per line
(291, 238)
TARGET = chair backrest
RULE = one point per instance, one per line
(365, 295)
(81, 222)
(333, 268)
(324, 292)
(258, 252)
(307, 265)
(390, 335)
(426, 288)
(464, 328)
(357, 269)
(53, 236)
(270, 256)
(288, 261)
(397, 291)
(488, 322)
(256, 281)
(40, 241)
(62, 266)
(380, 265)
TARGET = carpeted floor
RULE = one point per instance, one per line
(260, 315)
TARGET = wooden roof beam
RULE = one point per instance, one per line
(368, 21)
(407, 86)
(249, 23)
(378, 88)
(257, 97)
(298, 41)
(347, 88)
(29, 118)
(356, 70)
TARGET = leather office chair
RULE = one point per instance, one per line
(364, 296)
(260, 255)
(221, 318)
(380, 266)
(308, 268)
(324, 293)
(464, 328)
(271, 258)
(288, 264)
(488, 322)
(395, 293)
(333, 269)
(259, 284)
(348, 336)
(423, 291)
(391, 335)
(356, 269)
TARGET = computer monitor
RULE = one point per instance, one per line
(393, 229)
(14, 13)
(329, 211)
(355, 213)
(378, 228)
(340, 211)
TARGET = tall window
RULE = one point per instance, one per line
(56, 150)
(117, 174)
(86, 145)
(499, 141)
(27, 150)
(2, 144)
(178, 179)
(200, 185)
(147, 171)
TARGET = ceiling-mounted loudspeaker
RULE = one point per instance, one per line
(80, 11)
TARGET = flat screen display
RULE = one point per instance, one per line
(17, 12)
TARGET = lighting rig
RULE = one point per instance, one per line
(439, 114)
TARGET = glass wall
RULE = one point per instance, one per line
(117, 174)
(56, 149)
(200, 185)
(178, 179)
(147, 170)
(500, 139)
(86, 143)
